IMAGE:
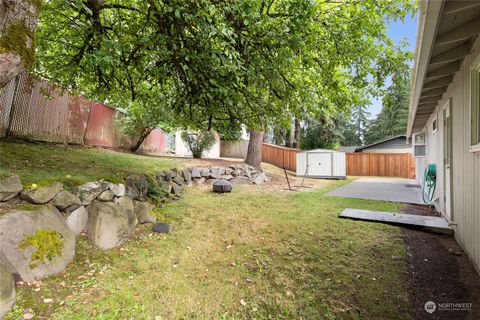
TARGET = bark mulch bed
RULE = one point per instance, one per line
(440, 271)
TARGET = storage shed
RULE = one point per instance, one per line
(321, 163)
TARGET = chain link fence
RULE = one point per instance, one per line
(37, 110)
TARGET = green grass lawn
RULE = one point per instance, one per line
(43, 163)
(245, 255)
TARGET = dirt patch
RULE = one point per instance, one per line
(440, 271)
(421, 210)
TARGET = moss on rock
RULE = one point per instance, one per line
(47, 244)
(16, 38)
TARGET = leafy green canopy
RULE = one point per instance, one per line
(208, 64)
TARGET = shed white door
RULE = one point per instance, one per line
(320, 164)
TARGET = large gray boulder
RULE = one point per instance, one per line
(199, 181)
(106, 195)
(77, 220)
(260, 178)
(125, 202)
(165, 186)
(205, 172)
(196, 173)
(187, 176)
(17, 226)
(179, 180)
(136, 186)
(218, 170)
(118, 189)
(142, 211)
(109, 225)
(215, 176)
(176, 190)
(241, 180)
(237, 172)
(10, 188)
(66, 201)
(90, 191)
(43, 194)
(7, 291)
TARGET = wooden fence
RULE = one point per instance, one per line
(280, 156)
(358, 164)
(381, 164)
(233, 149)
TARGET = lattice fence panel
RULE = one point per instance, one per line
(6, 99)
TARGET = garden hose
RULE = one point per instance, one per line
(429, 183)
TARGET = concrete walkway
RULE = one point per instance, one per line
(380, 188)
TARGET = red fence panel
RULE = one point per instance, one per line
(280, 156)
(155, 143)
(102, 129)
(78, 113)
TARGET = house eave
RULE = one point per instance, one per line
(429, 16)
(446, 31)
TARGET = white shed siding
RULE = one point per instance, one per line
(465, 164)
(340, 164)
(301, 163)
(182, 150)
(322, 163)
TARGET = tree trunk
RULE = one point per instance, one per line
(254, 153)
(288, 138)
(297, 134)
(142, 138)
(277, 136)
(18, 22)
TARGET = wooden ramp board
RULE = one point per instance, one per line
(436, 224)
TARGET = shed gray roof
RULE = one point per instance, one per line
(347, 149)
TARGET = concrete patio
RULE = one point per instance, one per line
(381, 188)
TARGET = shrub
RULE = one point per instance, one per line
(199, 142)
(47, 244)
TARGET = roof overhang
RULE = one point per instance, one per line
(446, 29)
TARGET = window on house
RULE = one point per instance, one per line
(475, 109)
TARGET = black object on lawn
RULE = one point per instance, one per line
(222, 186)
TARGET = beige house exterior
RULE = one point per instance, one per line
(444, 119)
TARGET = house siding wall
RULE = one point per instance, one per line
(465, 164)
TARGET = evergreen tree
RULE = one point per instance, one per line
(354, 131)
(392, 120)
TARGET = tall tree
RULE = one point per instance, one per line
(356, 129)
(392, 120)
(297, 135)
(224, 63)
(18, 22)
(323, 132)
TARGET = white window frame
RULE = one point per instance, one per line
(414, 144)
(435, 120)
(474, 114)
